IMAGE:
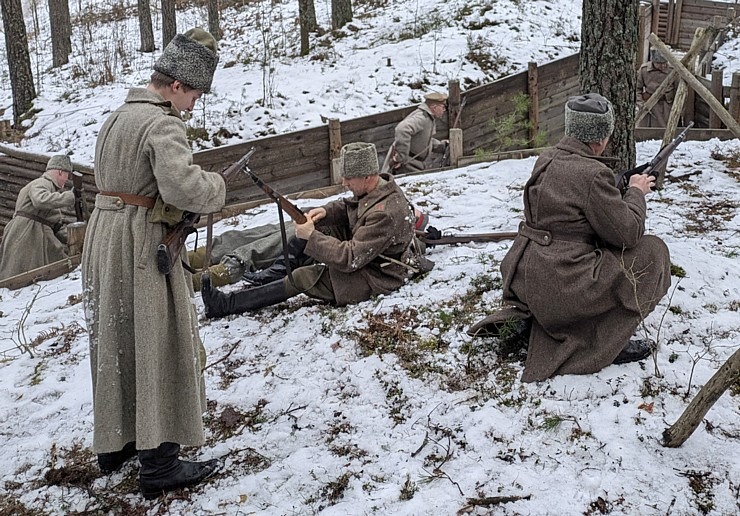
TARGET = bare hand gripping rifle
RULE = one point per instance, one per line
(168, 251)
(652, 167)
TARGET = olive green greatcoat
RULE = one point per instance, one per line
(586, 299)
(414, 139)
(378, 223)
(145, 352)
(28, 244)
(649, 79)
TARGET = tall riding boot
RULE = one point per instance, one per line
(219, 304)
(112, 461)
(162, 471)
(278, 269)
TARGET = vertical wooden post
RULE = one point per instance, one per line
(735, 96)
(676, 28)
(453, 101)
(670, 21)
(716, 89)
(655, 20)
(644, 29)
(534, 101)
(76, 237)
(456, 146)
(335, 148)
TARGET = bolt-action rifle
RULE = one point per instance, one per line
(288, 207)
(171, 245)
(653, 166)
(432, 236)
(77, 191)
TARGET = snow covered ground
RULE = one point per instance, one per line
(388, 407)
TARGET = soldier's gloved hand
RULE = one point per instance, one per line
(433, 233)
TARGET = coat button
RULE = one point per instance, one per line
(546, 238)
(119, 203)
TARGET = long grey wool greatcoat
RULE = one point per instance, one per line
(649, 79)
(378, 223)
(28, 244)
(144, 344)
(586, 299)
(414, 138)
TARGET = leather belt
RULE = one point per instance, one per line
(545, 237)
(133, 200)
(54, 226)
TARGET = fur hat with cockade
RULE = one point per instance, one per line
(589, 118)
(359, 159)
(190, 58)
(59, 162)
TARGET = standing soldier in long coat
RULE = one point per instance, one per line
(581, 264)
(36, 235)
(145, 353)
(361, 245)
(649, 77)
(414, 136)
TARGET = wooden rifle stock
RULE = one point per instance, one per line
(77, 191)
(168, 250)
(288, 207)
(464, 239)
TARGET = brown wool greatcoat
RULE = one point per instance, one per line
(649, 79)
(144, 344)
(414, 139)
(28, 244)
(380, 222)
(585, 299)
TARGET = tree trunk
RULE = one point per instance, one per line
(61, 31)
(682, 429)
(341, 13)
(609, 42)
(146, 33)
(169, 23)
(307, 21)
(19, 63)
(213, 19)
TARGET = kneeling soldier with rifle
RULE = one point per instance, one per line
(362, 244)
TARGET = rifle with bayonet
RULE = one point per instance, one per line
(77, 191)
(288, 207)
(432, 236)
(653, 166)
(171, 245)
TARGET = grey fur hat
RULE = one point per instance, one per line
(190, 58)
(657, 57)
(359, 160)
(59, 162)
(589, 118)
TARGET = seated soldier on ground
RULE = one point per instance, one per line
(37, 235)
(361, 245)
(256, 254)
(581, 268)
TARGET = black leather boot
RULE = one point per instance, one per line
(110, 462)
(278, 269)
(219, 304)
(636, 349)
(162, 471)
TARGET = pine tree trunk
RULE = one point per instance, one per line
(213, 19)
(146, 33)
(61, 31)
(307, 21)
(341, 13)
(19, 63)
(609, 37)
(169, 22)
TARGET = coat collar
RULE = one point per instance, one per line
(574, 146)
(46, 176)
(386, 186)
(144, 96)
(423, 107)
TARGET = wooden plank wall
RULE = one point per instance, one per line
(690, 15)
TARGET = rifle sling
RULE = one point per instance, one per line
(54, 226)
(133, 200)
